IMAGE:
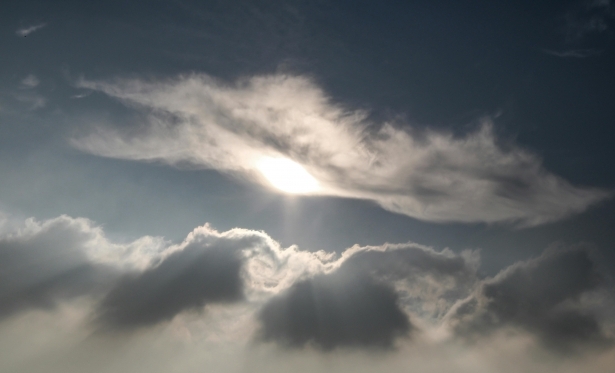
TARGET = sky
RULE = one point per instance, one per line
(316, 186)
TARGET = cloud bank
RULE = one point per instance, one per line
(241, 284)
(429, 175)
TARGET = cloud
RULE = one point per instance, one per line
(574, 53)
(367, 299)
(588, 18)
(42, 263)
(543, 296)
(25, 31)
(245, 288)
(208, 267)
(186, 279)
(240, 285)
(30, 81)
(429, 175)
(428, 282)
(339, 309)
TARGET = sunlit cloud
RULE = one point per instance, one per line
(287, 176)
(426, 174)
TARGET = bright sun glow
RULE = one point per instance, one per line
(287, 175)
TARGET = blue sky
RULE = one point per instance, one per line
(471, 142)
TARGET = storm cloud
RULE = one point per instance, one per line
(429, 175)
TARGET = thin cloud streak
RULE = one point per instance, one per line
(25, 31)
(574, 53)
(429, 175)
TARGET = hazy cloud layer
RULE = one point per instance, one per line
(544, 296)
(426, 174)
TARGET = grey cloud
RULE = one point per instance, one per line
(542, 296)
(145, 281)
(25, 31)
(366, 300)
(432, 176)
(47, 262)
(428, 282)
(186, 279)
(208, 267)
(334, 310)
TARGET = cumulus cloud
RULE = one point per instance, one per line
(339, 309)
(242, 284)
(61, 258)
(366, 301)
(543, 296)
(429, 175)
(25, 31)
(208, 267)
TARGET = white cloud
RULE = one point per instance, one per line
(25, 31)
(429, 175)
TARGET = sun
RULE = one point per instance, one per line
(287, 176)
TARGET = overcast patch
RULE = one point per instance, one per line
(542, 296)
(428, 175)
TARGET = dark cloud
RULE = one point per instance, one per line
(186, 279)
(45, 263)
(339, 309)
(542, 296)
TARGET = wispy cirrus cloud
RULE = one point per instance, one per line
(25, 31)
(426, 174)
